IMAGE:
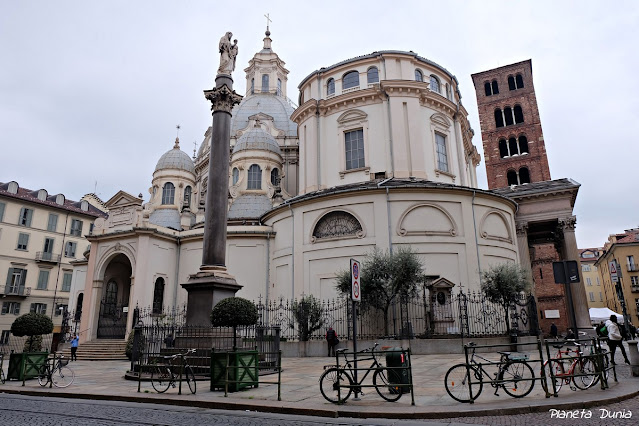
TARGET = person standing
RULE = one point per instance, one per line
(74, 347)
(553, 330)
(332, 340)
(615, 339)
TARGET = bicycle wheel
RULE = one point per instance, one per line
(62, 377)
(390, 392)
(457, 383)
(585, 366)
(43, 376)
(161, 378)
(518, 378)
(332, 388)
(2, 379)
(559, 376)
(190, 378)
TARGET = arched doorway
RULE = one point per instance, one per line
(115, 299)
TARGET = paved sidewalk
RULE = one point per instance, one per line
(301, 394)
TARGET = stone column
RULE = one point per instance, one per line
(524, 251)
(213, 283)
(571, 252)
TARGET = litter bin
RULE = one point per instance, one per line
(397, 361)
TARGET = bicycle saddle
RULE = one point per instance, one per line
(504, 353)
(339, 351)
(557, 346)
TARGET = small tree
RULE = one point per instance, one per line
(308, 313)
(384, 277)
(34, 326)
(502, 284)
(232, 312)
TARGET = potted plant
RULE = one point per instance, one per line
(27, 364)
(242, 364)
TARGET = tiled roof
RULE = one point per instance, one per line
(169, 218)
(539, 188)
(249, 206)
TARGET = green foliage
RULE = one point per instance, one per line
(502, 283)
(234, 311)
(308, 315)
(384, 277)
(129, 344)
(32, 324)
(33, 344)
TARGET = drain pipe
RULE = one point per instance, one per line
(292, 252)
(268, 271)
(388, 219)
(390, 124)
(476, 240)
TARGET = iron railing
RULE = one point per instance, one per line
(15, 290)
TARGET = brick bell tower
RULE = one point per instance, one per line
(514, 148)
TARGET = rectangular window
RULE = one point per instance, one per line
(39, 308)
(23, 241)
(59, 309)
(592, 296)
(76, 227)
(354, 148)
(600, 297)
(66, 281)
(1, 211)
(588, 281)
(91, 228)
(4, 337)
(52, 225)
(25, 217)
(15, 281)
(634, 281)
(585, 268)
(598, 282)
(442, 157)
(69, 249)
(43, 280)
(265, 83)
(11, 308)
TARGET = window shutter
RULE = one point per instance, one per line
(9, 275)
(29, 216)
(23, 280)
(44, 309)
(21, 216)
(1, 211)
(4, 308)
(17, 311)
(32, 307)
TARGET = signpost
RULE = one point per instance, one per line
(356, 296)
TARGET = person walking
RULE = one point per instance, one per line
(615, 339)
(332, 340)
(74, 347)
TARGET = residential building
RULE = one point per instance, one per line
(591, 276)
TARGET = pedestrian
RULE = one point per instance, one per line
(74, 347)
(332, 340)
(614, 339)
(601, 330)
(553, 330)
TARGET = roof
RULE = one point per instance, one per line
(249, 206)
(540, 188)
(31, 196)
(257, 138)
(175, 159)
(169, 218)
(267, 103)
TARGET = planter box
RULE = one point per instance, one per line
(25, 365)
(242, 370)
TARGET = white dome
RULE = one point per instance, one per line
(176, 159)
(257, 138)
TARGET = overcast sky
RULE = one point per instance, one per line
(92, 91)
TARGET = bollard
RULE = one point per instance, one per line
(633, 354)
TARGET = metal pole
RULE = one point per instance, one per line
(355, 348)
(570, 302)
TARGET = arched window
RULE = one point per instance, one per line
(519, 81)
(495, 87)
(503, 148)
(524, 175)
(523, 144)
(512, 146)
(499, 119)
(252, 86)
(254, 177)
(508, 116)
(78, 307)
(168, 193)
(264, 83)
(330, 87)
(279, 87)
(372, 75)
(519, 114)
(350, 79)
(487, 89)
(434, 84)
(337, 224)
(158, 296)
(236, 175)
(511, 83)
(419, 76)
(275, 177)
(512, 177)
(187, 196)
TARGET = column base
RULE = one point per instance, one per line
(205, 289)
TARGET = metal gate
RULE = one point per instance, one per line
(112, 321)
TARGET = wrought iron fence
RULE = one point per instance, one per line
(11, 343)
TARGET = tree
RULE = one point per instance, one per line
(234, 311)
(308, 314)
(33, 325)
(384, 277)
(501, 284)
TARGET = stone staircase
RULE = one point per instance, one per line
(99, 350)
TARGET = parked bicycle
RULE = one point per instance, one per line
(464, 382)
(2, 378)
(337, 382)
(165, 375)
(578, 371)
(56, 371)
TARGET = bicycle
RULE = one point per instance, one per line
(2, 378)
(163, 376)
(514, 376)
(585, 368)
(331, 380)
(56, 371)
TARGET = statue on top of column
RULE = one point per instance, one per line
(228, 53)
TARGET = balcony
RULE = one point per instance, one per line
(635, 288)
(43, 256)
(7, 290)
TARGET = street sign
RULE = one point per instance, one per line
(612, 265)
(566, 272)
(356, 291)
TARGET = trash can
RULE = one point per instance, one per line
(397, 361)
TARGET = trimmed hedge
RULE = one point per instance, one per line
(32, 324)
(234, 311)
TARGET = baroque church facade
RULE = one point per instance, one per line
(378, 154)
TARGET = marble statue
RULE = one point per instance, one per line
(228, 53)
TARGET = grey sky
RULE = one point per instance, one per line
(92, 91)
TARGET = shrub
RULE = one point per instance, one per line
(34, 326)
(234, 311)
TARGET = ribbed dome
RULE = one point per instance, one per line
(266, 103)
(176, 159)
(257, 138)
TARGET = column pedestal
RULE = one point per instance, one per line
(205, 289)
